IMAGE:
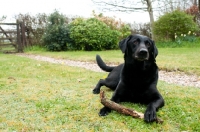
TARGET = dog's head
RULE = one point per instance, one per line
(140, 47)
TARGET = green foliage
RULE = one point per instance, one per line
(182, 41)
(176, 22)
(189, 37)
(125, 31)
(35, 48)
(56, 37)
(189, 40)
(92, 34)
(53, 32)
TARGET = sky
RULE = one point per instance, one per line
(84, 8)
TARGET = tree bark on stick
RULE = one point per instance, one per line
(121, 109)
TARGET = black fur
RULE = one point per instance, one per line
(136, 79)
(102, 65)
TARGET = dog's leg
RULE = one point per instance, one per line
(105, 110)
(96, 90)
(108, 82)
(115, 98)
(150, 113)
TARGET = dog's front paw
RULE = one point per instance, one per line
(150, 114)
(104, 111)
(96, 91)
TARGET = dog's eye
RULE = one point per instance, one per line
(148, 44)
(135, 42)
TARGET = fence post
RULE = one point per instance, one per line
(19, 38)
(23, 34)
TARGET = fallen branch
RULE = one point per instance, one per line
(121, 109)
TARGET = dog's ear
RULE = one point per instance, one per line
(155, 50)
(123, 44)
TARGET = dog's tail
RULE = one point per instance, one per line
(102, 64)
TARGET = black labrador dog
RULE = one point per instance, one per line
(136, 79)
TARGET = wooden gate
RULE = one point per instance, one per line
(12, 40)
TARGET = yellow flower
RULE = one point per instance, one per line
(189, 32)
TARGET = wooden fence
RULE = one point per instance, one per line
(14, 38)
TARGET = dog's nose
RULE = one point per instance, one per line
(143, 51)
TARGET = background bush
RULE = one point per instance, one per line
(114, 24)
(57, 32)
(176, 22)
(93, 34)
(56, 36)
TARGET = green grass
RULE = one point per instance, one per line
(8, 48)
(40, 96)
(179, 59)
(181, 44)
(170, 59)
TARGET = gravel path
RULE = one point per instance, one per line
(179, 78)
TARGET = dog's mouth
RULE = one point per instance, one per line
(141, 58)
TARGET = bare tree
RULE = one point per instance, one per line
(128, 6)
(164, 6)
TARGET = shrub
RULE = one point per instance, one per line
(114, 24)
(176, 22)
(56, 36)
(92, 34)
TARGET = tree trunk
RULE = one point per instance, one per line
(195, 2)
(150, 11)
(199, 5)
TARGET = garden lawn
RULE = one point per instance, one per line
(40, 96)
(171, 59)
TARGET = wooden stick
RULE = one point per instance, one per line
(123, 110)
